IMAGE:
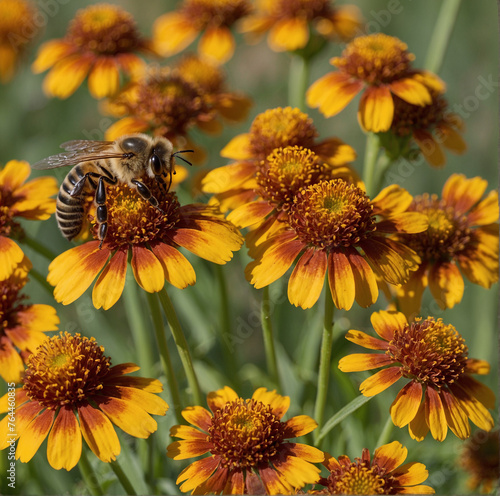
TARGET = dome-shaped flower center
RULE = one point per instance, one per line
(65, 370)
(447, 235)
(375, 59)
(208, 77)
(430, 352)
(133, 220)
(307, 9)
(215, 12)
(280, 127)
(104, 29)
(286, 171)
(332, 214)
(245, 433)
(16, 17)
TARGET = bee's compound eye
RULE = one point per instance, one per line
(134, 145)
(155, 164)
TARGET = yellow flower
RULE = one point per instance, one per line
(18, 198)
(289, 21)
(151, 237)
(70, 390)
(434, 357)
(174, 31)
(247, 443)
(17, 30)
(381, 66)
(100, 43)
(23, 324)
(383, 474)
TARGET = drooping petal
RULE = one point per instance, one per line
(475, 410)
(406, 405)
(279, 404)
(475, 366)
(456, 418)
(238, 148)
(434, 414)
(217, 44)
(148, 271)
(289, 34)
(429, 147)
(390, 456)
(172, 32)
(149, 402)
(418, 427)
(479, 390)
(296, 471)
(306, 452)
(235, 483)
(273, 482)
(67, 75)
(228, 177)
(485, 212)
(250, 213)
(34, 435)
(49, 53)
(380, 381)
(406, 222)
(412, 91)
(182, 450)
(386, 323)
(362, 339)
(376, 109)
(452, 140)
(421, 489)
(410, 474)
(10, 257)
(299, 426)
(218, 399)
(410, 294)
(446, 284)
(197, 473)
(177, 269)
(357, 362)
(110, 283)
(11, 363)
(104, 78)
(198, 416)
(365, 281)
(341, 280)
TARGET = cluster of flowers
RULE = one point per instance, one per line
(304, 206)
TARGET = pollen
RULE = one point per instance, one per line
(281, 127)
(104, 29)
(217, 12)
(245, 433)
(430, 352)
(375, 59)
(332, 214)
(65, 371)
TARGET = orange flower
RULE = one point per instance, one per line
(462, 237)
(23, 324)
(429, 126)
(382, 475)
(17, 30)
(247, 443)
(381, 65)
(433, 356)
(29, 200)
(329, 223)
(100, 43)
(288, 22)
(176, 30)
(151, 237)
(70, 390)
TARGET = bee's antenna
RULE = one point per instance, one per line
(182, 158)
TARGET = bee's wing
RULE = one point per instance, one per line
(78, 151)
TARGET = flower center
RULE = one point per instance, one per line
(133, 220)
(375, 59)
(65, 370)
(207, 76)
(447, 234)
(104, 29)
(286, 172)
(16, 17)
(280, 127)
(215, 12)
(430, 352)
(245, 433)
(331, 214)
(308, 9)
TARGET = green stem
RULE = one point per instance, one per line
(371, 154)
(297, 81)
(42, 281)
(38, 247)
(441, 35)
(386, 432)
(182, 346)
(161, 339)
(267, 332)
(122, 477)
(89, 475)
(382, 166)
(325, 360)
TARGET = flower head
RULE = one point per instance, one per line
(17, 30)
(70, 389)
(152, 237)
(246, 439)
(174, 31)
(23, 325)
(462, 238)
(327, 224)
(381, 66)
(18, 198)
(100, 43)
(441, 392)
(383, 474)
(288, 22)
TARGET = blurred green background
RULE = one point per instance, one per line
(32, 127)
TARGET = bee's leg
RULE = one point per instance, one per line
(101, 211)
(146, 194)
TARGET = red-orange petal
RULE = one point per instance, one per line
(178, 271)
(217, 400)
(380, 381)
(148, 271)
(386, 323)
(11, 363)
(362, 339)
(299, 426)
(365, 281)
(341, 280)
(34, 435)
(228, 177)
(390, 456)
(456, 418)
(418, 427)
(197, 473)
(172, 32)
(376, 109)
(198, 416)
(250, 213)
(110, 283)
(182, 450)
(434, 414)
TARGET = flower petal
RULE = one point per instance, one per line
(434, 414)
(104, 77)
(446, 284)
(172, 32)
(341, 280)
(406, 405)
(11, 363)
(176, 267)
(217, 44)
(198, 416)
(474, 409)
(10, 257)
(485, 212)
(362, 339)
(49, 53)
(238, 148)
(279, 404)
(386, 323)
(250, 213)
(296, 471)
(410, 474)
(127, 125)
(479, 390)
(308, 453)
(197, 473)
(456, 418)
(299, 426)
(452, 140)
(390, 456)
(380, 381)
(217, 400)
(376, 109)
(357, 362)
(411, 91)
(149, 402)
(365, 281)
(393, 199)
(418, 427)
(187, 432)
(462, 193)
(475, 366)
(273, 481)
(110, 283)
(147, 269)
(289, 34)
(64, 445)
(34, 435)
(67, 75)
(181, 450)
(228, 177)
(429, 147)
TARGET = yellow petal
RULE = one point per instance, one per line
(66, 76)
(64, 445)
(406, 405)
(289, 34)
(380, 381)
(104, 78)
(172, 33)
(217, 44)
(376, 109)
(176, 267)
(147, 269)
(109, 286)
(34, 435)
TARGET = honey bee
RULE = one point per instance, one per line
(95, 163)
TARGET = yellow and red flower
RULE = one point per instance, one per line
(381, 66)
(71, 390)
(100, 43)
(151, 237)
(247, 443)
(174, 31)
(327, 226)
(289, 22)
(18, 30)
(441, 391)
(383, 474)
(23, 325)
(462, 238)
(18, 198)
